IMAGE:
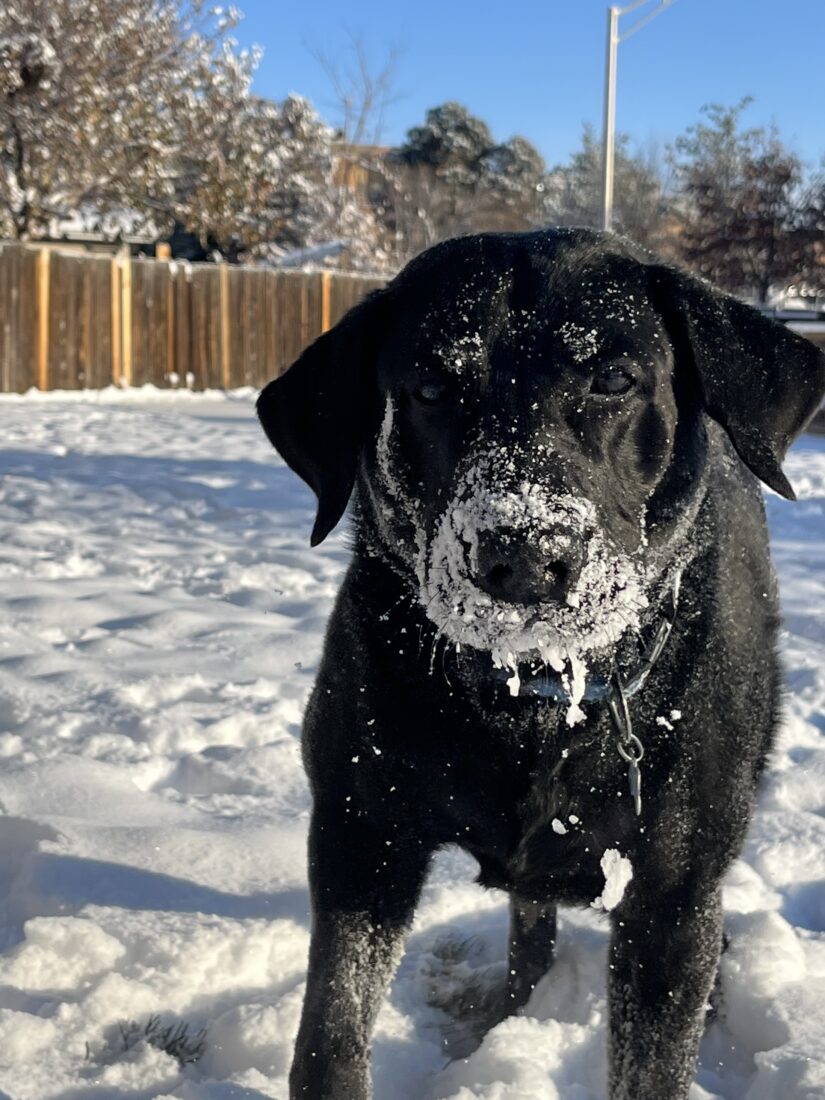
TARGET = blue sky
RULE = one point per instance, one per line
(537, 68)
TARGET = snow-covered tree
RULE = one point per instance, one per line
(513, 185)
(91, 98)
(253, 171)
(144, 107)
(264, 177)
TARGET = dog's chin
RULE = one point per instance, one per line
(539, 635)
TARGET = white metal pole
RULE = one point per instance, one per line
(609, 137)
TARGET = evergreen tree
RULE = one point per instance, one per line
(742, 214)
(450, 176)
(639, 207)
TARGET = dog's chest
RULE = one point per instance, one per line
(571, 807)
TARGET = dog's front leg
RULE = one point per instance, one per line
(663, 959)
(364, 887)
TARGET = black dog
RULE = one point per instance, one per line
(555, 644)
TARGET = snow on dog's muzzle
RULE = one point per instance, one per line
(528, 575)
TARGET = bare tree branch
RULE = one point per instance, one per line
(361, 89)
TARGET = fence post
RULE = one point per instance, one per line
(325, 296)
(171, 361)
(43, 265)
(225, 364)
(6, 324)
(304, 309)
(116, 320)
(126, 317)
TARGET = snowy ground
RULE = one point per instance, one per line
(162, 620)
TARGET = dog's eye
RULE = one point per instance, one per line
(430, 392)
(612, 381)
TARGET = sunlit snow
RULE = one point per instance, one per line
(162, 623)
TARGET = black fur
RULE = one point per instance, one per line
(410, 740)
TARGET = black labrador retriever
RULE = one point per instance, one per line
(555, 645)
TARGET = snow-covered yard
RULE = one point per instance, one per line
(162, 617)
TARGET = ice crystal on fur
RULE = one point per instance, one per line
(464, 351)
(582, 343)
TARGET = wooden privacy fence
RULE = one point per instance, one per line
(80, 321)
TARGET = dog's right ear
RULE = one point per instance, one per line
(317, 413)
(757, 379)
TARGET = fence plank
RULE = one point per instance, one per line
(8, 317)
(225, 343)
(43, 294)
(150, 323)
(126, 321)
(171, 362)
(206, 327)
(99, 321)
(325, 315)
(274, 307)
(26, 267)
(117, 320)
(62, 369)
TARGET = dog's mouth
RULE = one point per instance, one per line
(605, 603)
(567, 667)
(562, 654)
(556, 648)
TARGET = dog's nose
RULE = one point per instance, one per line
(529, 568)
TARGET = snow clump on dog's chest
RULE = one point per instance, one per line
(605, 601)
(618, 873)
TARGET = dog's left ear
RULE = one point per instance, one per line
(317, 413)
(758, 379)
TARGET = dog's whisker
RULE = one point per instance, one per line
(434, 648)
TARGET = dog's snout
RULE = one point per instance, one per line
(529, 567)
